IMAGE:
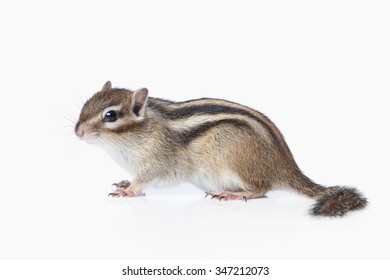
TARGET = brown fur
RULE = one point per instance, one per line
(221, 146)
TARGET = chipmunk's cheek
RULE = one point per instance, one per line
(113, 125)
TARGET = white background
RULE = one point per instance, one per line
(319, 69)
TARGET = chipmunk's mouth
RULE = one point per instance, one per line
(91, 138)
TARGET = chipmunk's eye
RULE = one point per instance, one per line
(110, 116)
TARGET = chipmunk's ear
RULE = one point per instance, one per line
(138, 102)
(107, 86)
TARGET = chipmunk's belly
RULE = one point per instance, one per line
(217, 181)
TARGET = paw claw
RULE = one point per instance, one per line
(112, 194)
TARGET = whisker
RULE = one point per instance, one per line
(62, 116)
(68, 126)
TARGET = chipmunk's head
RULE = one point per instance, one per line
(111, 111)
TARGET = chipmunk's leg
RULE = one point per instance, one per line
(126, 189)
(236, 195)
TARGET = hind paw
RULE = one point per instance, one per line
(227, 196)
(235, 195)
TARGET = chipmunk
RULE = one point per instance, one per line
(228, 150)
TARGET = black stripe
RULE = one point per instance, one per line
(187, 137)
(210, 109)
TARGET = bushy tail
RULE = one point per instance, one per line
(337, 201)
(331, 201)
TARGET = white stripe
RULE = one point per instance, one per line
(195, 121)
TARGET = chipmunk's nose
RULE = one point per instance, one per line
(80, 133)
(80, 130)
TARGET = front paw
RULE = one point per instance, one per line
(121, 192)
(124, 184)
